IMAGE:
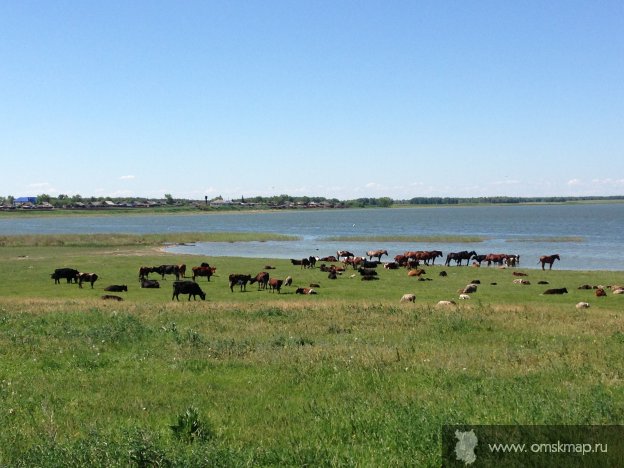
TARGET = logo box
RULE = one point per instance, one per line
(535, 446)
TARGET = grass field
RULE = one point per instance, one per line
(348, 377)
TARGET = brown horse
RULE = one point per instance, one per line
(376, 253)
(550, 259)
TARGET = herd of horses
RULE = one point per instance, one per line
(427, 257)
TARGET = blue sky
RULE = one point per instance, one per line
(341, 99)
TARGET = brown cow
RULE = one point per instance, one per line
(262, 279)
(275, 285)
(206, 271)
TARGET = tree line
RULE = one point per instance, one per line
(289, 201)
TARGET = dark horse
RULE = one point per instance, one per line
(550, 259)
(459, 257)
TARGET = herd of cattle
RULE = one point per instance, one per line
(334, 266)
(365, 265)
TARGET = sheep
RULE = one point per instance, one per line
(408, 298)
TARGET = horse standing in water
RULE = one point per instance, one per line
(376, 253)
(550, 259)
(459, 257)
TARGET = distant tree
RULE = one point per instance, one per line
(10, 200)
(385, 202)
(43, 198)
(169, 199)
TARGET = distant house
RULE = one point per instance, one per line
(22, 200)
(219, 202)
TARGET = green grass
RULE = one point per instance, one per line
(347, 377)
(116, 240)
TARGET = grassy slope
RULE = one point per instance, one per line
(349, 376)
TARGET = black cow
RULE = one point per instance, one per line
(68, 273)
(116, 288)
(111, 297)
(87, 278)
(238, 279)
(556, 291)
(187, 287)
(144, 272)
(168, 270)
(147, 283)
(367, 272)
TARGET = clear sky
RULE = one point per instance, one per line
(341, 99)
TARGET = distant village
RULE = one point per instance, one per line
(46, 203)
(277, 202)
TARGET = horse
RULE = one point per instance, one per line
(459, 257)
(376, 253)
(550, 259)
(344, 253)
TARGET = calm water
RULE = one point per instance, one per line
(507, 229)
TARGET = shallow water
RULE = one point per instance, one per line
(586, 236)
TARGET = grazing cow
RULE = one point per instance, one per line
(582, 305)
(304, 262)
(240, 280)
(369, 264)
(550, 259)
(206, 271)
(600, 292)
(376, 254)
(262, 279)
(182, 270)
(305, 291)
(187, 287)
(68, 273)
(367, 272)
(408, 298)
(168, 270)
(288, 281)
(144, 272)
(150, 284)
(556, 291)
(275, 285)
(87, 278)
(116, 288)
(111, 297)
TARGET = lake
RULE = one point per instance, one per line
(586, 236)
